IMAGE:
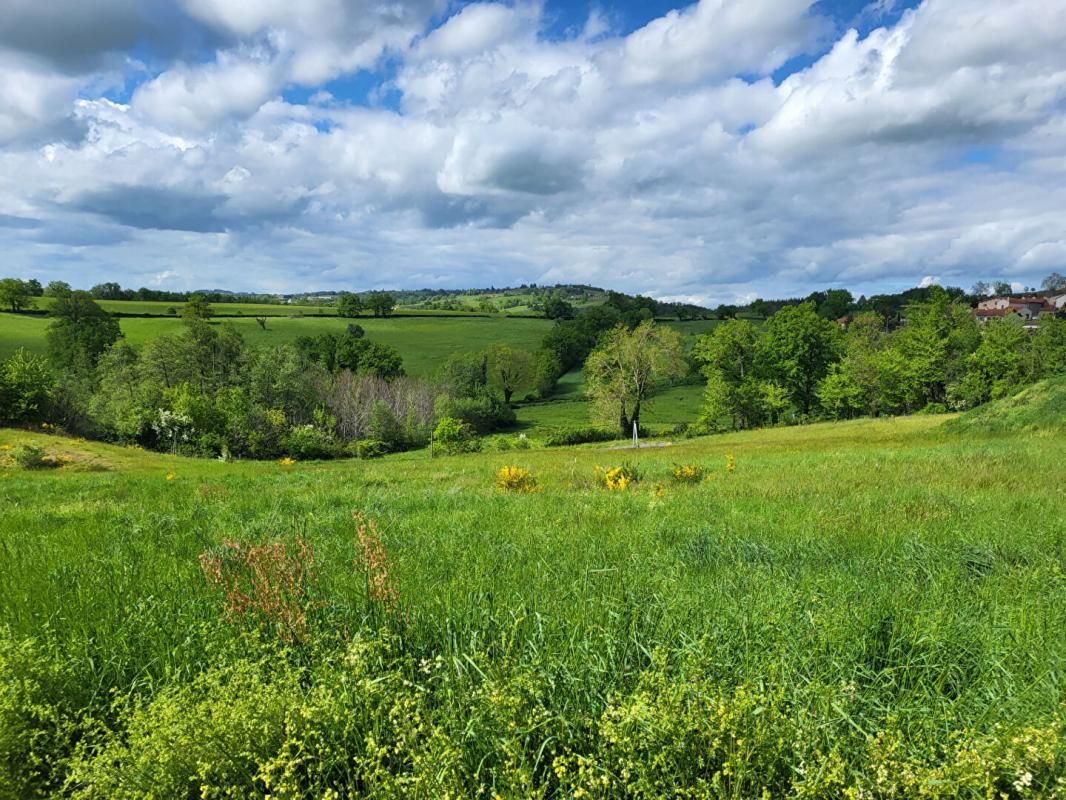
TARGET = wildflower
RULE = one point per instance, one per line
(660, 490)
(617, 479)
(688, 473)
(730, 463)
(287, 462)
(516, 479)
(171, 476)
(374, 562)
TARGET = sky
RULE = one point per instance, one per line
(713, 152)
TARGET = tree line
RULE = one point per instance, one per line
(800, 366)
(205, 391)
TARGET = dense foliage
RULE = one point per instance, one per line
(801, 366)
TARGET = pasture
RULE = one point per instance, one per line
(861, 609)
(424, 342)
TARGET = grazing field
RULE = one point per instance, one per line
(866, 609)
(424, 342)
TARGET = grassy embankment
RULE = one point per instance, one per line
(874, 607)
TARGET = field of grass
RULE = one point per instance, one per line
(163, 308)
(424, 342)
(569, 409)
(866, 609)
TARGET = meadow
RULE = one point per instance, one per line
(424, 342)
(864, 609)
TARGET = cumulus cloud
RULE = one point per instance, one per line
(671, 160)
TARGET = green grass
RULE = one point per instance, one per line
(1039, 409)
(18, 331)
(163, 308)
(424, 342)
(569, 408)
(871, 605)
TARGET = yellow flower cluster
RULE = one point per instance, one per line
(616, 479)
(688, 473)
(287, 462)
(730, 463)
(516, 479)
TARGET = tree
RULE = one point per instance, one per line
(197, 309)
(26, 386)
(381, 303)
(106, 291)
(509, 370)
(35, 287)
(349, 304)
(1000, 364)
(796, 350)
(1001, 288)
(57, 289)
(728, 356)
(981, 289)
(627, 366)
(15, 294)
(80, 331)
(558, 308)
(1054, 282)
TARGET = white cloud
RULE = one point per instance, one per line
(662, 162)
(197, 99)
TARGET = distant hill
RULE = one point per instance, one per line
(1040, 407)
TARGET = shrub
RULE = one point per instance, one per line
(308, 442)
(934, 408)
(573, 436)
(28, 456)
(369, 448)
(617, 479)
(516, 479)
(454, 436)
(688, 473)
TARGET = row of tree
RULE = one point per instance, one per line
(801, 366)
(205, 391)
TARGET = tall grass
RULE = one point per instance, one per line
(868, 607)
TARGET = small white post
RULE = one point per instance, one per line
(636, 438)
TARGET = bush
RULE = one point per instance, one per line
(516, 479)
(28, 456)
(484, 412)
(454, 436)
(618, 479)
(688, 473)
(573, 436)
(308, 442)
(369, 448)
(934, 408)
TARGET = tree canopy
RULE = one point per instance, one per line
(627, 366)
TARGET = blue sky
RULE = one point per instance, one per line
(715, 151)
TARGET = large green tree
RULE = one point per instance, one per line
(509, 370)
(381, 303)
(349, 304)
(796, 350)
(627, 366)
(728, 356)
(80, 331)
(16, 294)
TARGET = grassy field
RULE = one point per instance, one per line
(866, 609)
(424, 342)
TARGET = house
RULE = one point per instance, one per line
(1029, 308)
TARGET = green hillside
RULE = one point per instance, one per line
(854, 610)
(1040, 408)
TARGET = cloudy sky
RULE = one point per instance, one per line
(714, 152)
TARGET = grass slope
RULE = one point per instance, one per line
(863, 606)
(1040, 408)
